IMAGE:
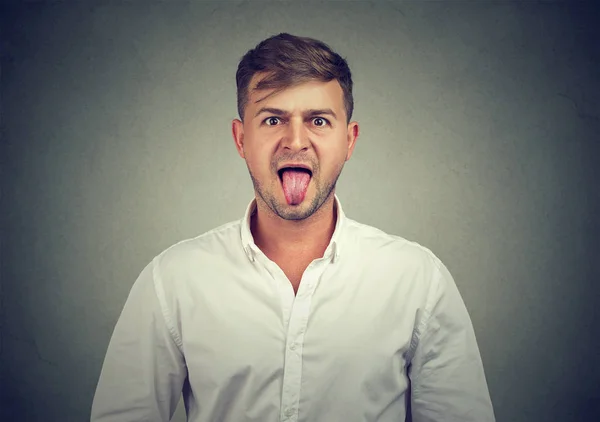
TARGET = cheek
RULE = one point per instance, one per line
(260, 165)
(332, 159)
(259, 159)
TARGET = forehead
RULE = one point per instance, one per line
(312, 94)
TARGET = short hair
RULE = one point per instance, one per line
(290, 60)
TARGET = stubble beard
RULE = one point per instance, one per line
(286, 211)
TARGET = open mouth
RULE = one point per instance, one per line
(294, 169)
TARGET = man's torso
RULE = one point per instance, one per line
(308, 340)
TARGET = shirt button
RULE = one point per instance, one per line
(293, 346)
(289, 412)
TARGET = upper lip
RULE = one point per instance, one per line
(296, 165)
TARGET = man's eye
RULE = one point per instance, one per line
(272, 121)
(320, 122)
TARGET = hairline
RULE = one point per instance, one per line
(252, 88)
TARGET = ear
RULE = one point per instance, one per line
(353, 132)
(237, 129)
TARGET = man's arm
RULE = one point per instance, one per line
(447, 378)
(144, 369)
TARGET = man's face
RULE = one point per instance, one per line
(304, 124)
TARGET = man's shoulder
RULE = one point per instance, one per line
(201, 249)
(370, 239)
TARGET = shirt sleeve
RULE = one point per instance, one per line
(448, 383)
(144, 369)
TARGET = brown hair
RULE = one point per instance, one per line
(290, 60)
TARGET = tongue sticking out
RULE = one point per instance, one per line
(295, 185)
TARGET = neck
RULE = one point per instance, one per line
(311, 236)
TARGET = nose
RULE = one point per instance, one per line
(296, 137)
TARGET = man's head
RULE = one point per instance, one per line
(295, 105)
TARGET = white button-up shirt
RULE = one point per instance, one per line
(377, 331)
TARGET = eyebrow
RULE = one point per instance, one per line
(306, 113)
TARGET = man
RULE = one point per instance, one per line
(295, 312)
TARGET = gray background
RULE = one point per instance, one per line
(479, 140)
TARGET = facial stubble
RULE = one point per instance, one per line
(287, 212)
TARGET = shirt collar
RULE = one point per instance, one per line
(332, 251)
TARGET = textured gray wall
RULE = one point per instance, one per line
(479, 139)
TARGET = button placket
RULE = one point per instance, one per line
(296, 310)
(295, 341)
(293, 368)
